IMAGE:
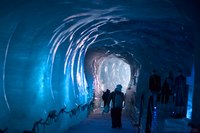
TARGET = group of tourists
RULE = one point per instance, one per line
(173, 88)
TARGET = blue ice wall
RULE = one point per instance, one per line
(190, 82)
(48, 52)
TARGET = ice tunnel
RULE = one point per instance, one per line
(57, 56)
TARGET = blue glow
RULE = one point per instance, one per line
(4, 65)
(190, 82)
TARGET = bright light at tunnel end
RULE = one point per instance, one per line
(113, 71)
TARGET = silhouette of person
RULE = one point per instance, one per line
(154, 86)
(117, 98)
(105, 96)
(180, 92)
(167, 88)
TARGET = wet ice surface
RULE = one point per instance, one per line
(98, 123)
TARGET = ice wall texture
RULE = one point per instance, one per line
(49, 51)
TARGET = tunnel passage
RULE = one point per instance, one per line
(46, 49)
(108, 69)
(145, 45)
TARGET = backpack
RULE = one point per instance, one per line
(118, 100)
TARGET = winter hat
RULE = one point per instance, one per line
(118, 88)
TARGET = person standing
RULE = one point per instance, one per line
(117, 98)
(167, 88)
(180, 92)
(105, 96)
(155, 87)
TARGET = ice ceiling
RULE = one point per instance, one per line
(55, 53)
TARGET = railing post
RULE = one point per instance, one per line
(141, 112)
(149, 115)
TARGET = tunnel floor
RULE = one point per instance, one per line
(162, 123)
(98, 123)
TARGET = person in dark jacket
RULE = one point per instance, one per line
(155, 86)
(167, 88)
(105, 96)
(117, 98)
(181, 94)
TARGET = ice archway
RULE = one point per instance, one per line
(50, 50)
